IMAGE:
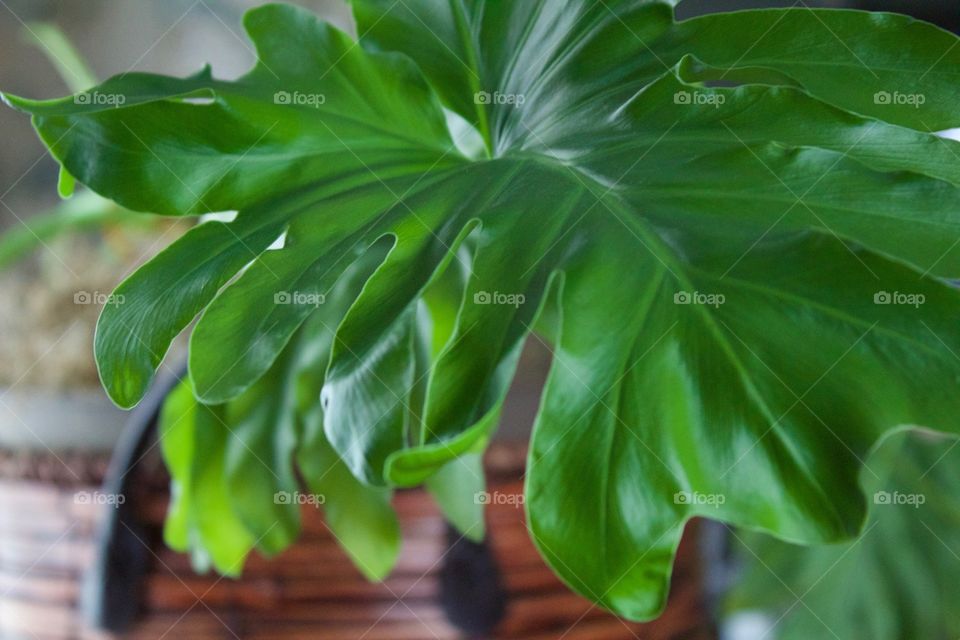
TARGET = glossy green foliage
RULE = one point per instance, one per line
(745, 286)
(897, 581)
(234, 465)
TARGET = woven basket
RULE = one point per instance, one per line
(311, 591)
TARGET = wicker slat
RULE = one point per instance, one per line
(311, 591)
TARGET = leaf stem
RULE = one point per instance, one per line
(473, 67)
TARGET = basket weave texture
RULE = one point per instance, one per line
(309, 592)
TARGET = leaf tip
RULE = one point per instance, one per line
(66, 183)
(125, 390)
(14, 102)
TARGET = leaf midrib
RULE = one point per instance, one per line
(670, 262)
(473, 65)
(677, 269)
(648, 303)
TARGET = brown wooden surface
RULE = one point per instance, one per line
(311, 591)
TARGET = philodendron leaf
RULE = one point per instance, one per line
(486, 57)
(359, 516)
(277, 143)
(898, 580)
(236, 466)
(745, 286)
(259, 456)
(201, 520)
(459, 489)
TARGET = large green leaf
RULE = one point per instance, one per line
(757, 411)
(235, 467)
(259, 455)
(263, 143)
(359, 516)
(193, 440)
(458, 488)
(896, 581)
(568, 58)
(743, 286)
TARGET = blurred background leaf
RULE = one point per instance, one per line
(897, 581)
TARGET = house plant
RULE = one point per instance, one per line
(744, 287)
